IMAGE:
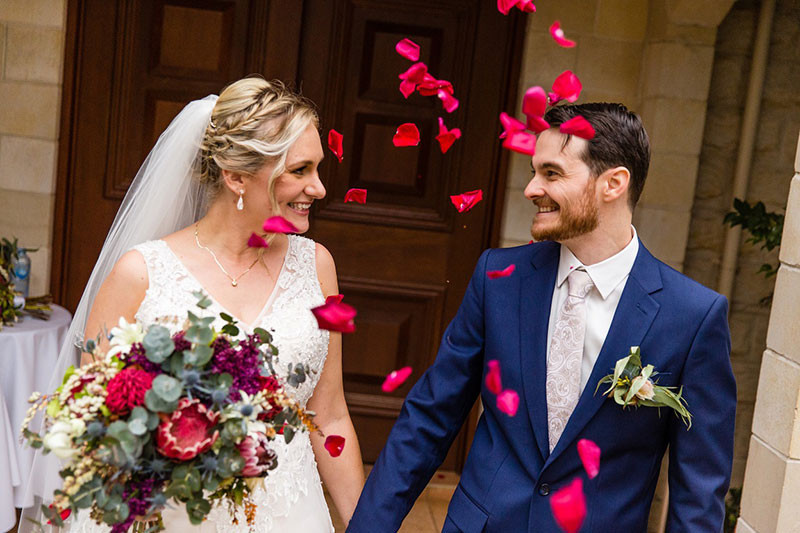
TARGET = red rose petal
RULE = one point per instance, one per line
(407, 88)
(553, 98)
(335, 144)
(508, 402)
(569, 506)
(334, 444)
(406, 135)
(534, 102)
(579, 127)
(526, 6)
(537, 124)
(589, 453)
(430, 86)
(558, 35)
(415, 73)
(493, 381)
(257, 241)
(335, 298)
(504, 6)
(507, 271)
(356, 195)
(510, 123)
(64, 514)
(278, 224)
(334, 315)
(447, 137)
(449, 102)
(466, 201)
(567, 87)
(408, 49)
(521, 141)
(396, 378)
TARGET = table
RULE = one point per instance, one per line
(28, 353)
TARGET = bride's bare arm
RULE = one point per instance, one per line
(343, 475)
(119, 296)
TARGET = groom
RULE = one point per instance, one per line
(576, 303)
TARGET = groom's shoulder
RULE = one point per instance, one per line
(520, 256)
(688, 291)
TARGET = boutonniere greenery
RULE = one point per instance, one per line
(632, 385)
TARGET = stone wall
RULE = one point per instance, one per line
(31, 62)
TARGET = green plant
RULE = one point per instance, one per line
(732, 504)
(763, 226)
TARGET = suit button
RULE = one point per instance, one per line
(544, 489)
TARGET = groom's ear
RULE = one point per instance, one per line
(234, 181)
(615, 182)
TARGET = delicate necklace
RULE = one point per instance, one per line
(234, 281)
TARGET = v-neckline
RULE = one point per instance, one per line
(270, 299)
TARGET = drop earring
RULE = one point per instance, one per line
(240, 203)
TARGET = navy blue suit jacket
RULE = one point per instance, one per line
(682, 330)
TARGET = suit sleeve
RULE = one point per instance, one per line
(432, 415)
(700, 458)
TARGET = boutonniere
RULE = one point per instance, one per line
(633, 385)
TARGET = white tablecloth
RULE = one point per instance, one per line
(28, 353)
(10, 478)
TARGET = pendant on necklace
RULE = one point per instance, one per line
(234, 283)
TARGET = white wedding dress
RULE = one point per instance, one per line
(292, 498)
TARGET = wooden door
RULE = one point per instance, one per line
(405, 257)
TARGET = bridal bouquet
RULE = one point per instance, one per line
(12, 305)
(186, 417)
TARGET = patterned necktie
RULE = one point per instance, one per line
(566, 355)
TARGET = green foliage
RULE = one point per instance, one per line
(732, 507)
(764, 227)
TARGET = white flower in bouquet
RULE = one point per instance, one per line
(59, 437)
(124, 336)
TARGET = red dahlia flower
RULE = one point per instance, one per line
(126, 390)
(257, 455)
(186, 433)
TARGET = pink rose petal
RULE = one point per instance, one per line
(408, 49)
(526, 6)
(335, 144)
(407, 88)
(406, 135)
(510, 123)
(415, 73)
(279, 224)
(567, 87)
(589, 453)
(579, 127)
(534, 102)
(553, 98)
(449, 102)
(508, 402)
(466, 201)
(336, 298)
(507, 271)
(334, 444)
(356, 195)
(537, 124)
(334, 315)
(257, 241)
(504, 6)
(493, 381)
(430, 86)
(569, 506)
(521, 141)
(447, 137)
(396, 378)
(558, 35)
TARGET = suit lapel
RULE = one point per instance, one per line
(634, 316)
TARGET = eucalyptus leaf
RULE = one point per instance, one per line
(156, 404)
(199, 335)
(158, 344)
(139, 413)
(167, 388)
(230, 329)
(197, 510)
(152, 421)
(137, 427)
(199, 356)
(288, 434)
(263, 334)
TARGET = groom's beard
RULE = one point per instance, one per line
(574, 219)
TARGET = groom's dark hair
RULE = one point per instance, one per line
(620, 140)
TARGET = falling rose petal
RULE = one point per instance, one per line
(279, 224)
(508, 402)
(396, 378)
(335, 144)
(408, 49)
(579, 127)
(526, 6)
(558, 35)
(356, 195)
(553, 98)
(589, 453)
(493, 381)
(504, 6)
(466, 201)
(567, 87)
(334, 444)
(415, 73)
(334, 315)
(430, 86)
(257, 241)
(507, 271)
(406, 135)
(510, 124)
(407, 88)
(447, 137)
(335, 298)
(569, 506)
(534, 103)
(64, 514)
(521, 141)
(449, 102)
(537, 124)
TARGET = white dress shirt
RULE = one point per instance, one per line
(609, 277)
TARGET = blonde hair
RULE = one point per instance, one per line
(254, 122)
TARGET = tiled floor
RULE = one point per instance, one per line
(427, 515)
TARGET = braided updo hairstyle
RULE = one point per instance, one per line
(254, 122)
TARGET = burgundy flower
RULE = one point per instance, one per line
(269, 383)
(136, 357)
(241, 363)
(126, 390)
(257, 455)
(187, 432)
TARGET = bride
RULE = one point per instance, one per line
(252, 153)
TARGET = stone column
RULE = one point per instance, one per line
(771, 496)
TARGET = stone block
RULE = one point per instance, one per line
(744, 527)
(511, 244)
(34, 53)
(775, 420)
(663, 231)
(797, 156)
(674, 125)
(706, 231)
(723, 124)
(27, 216)
(579, 19)
(661, 28)
(783, 335)
(517, 217)
(671, 180)
(706, 13)
(741, 442)
(519, 171)
(29, 110)
(40, 272)
(43, 12)
(621, 19)
(702, 266)
(729, 79)
(790, 241)
(543, 61)
(677, 70)
(2, 48)
(609, 65)
(741, 325)
(763, 486)
(751, 287)
(27, 165)
(629, 100)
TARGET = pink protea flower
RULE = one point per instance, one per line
(257, 455)
(126, 390)
(186, 432)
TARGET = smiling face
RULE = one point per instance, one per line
(563, 189)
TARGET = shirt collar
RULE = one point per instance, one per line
(606, 274)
